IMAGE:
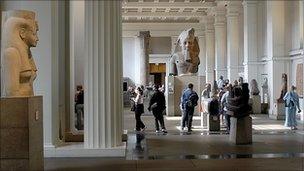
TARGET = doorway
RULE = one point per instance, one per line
(158, 73)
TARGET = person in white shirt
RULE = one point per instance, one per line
(139, 109)
(224, 103)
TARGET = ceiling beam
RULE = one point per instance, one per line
(168, 5)
(164, 14)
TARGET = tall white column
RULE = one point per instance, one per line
(278, 61)
(250, 40)
(210, 56)
(233, 39)
(202, 55)
(143, 51)
(220, 28)
(103, 74)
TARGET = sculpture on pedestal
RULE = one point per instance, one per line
(265, 90)
(284, 88)
(185, 59)
(18, 68)
(237, 104)
(254, 89)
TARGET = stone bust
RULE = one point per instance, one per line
(185, 59)
(18, 68)
(254, 88)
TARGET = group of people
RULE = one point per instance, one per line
(157, 105)
(234, 101)
(223, 99)
(226, 99)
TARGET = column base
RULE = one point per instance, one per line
(78, 150)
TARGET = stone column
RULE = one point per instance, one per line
(250, 40)
(210, 58)
(278, 58)
(220, 28)
(233, 39)
(202, 55)
(144, 72)
(103, 75)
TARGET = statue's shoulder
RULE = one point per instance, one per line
(11, 51)
(11, 54)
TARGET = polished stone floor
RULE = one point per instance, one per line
(274, 147)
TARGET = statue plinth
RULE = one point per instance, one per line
(240, 130)
(21, 126)
(174, 88)
(255, 101)
(278, 111)
(213, 123)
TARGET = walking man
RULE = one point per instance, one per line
(158, 105)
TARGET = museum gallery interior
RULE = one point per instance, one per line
(151, 85)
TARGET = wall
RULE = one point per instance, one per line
(129, 62)
(160, 45)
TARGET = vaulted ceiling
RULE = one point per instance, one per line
(168, 11)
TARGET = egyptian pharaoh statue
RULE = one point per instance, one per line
(18, 69)
(185, 59)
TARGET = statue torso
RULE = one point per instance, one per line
(27, 78)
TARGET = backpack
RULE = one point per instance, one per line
(192, 101)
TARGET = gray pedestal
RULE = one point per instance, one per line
(21, 136)
(241, 130)
(204, 120)
(174, 88)
(278, 111)
(214, 123)
(256, 104)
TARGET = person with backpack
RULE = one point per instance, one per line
(158, 105)
(188, 102)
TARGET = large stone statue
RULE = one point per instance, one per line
(254, 89)
(18, 69)
(185, 59)
(284, 88)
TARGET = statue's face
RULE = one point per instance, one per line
(31, 37)
(187, 47)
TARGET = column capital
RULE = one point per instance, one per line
(209, 24)
(250, 3)
(234, 8)
(144, 34)
(219, 15)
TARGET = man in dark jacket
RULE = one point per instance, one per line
(158, 105)
(188, 102)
